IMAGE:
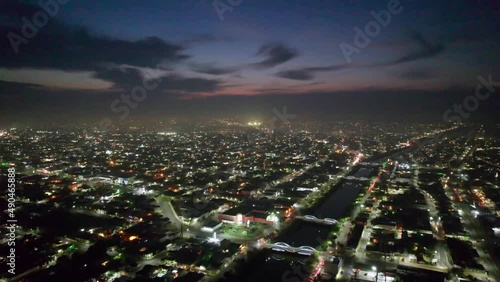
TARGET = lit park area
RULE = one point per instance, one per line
(250, 231)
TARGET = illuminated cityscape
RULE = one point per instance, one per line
(420, 199)
(249, 141)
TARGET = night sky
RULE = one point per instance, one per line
(255, 56)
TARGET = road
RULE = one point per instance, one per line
(480, 239)
(442, 252)
(360, 253)
(167, 210)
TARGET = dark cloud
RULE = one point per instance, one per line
(213, 70)
(309, 73)
(126, 78)
(276, 53)
(301, 74)
(61, 47)
(58, 46)
(121, 76)
(425, 50)
(13, 88)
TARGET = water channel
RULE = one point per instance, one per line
(285, 267)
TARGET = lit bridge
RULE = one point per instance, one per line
(312, 218)
(285, 248)
(356, 178)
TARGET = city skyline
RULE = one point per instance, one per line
(213, 58)
(249, 140)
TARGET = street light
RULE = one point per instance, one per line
(374, 268)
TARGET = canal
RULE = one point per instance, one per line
(284, 267)
(272, 266)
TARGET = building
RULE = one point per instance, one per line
(247, 214)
